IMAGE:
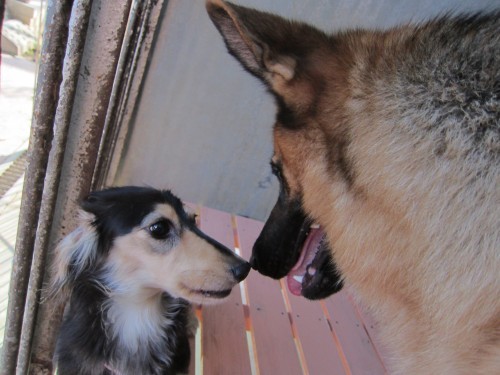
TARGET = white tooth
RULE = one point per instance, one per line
(298, 279)
(311, 271)
(314, 226)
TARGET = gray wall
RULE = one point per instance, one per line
(203, 125)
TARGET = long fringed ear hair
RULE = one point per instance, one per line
(76, 253)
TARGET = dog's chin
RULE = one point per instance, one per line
(315, 275)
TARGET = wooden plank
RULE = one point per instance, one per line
(274, 341)
(318, 344)
(372, 329)
(357, 346)
(224, 342)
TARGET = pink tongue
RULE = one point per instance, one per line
(308, 252)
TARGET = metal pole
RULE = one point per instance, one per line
(54, 43)
(151, 14)
(104, 151)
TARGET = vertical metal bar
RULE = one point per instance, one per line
(134, 73)
(54, 43)
(138, 28)
(114, 100)
(74, 52)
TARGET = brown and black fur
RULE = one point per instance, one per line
(390, 140)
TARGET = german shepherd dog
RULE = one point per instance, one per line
(388, 140)
(131, 268)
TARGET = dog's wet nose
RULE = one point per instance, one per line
(241, 271)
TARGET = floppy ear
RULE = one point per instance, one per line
(75, 253)
(268, 46)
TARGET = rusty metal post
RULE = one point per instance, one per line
(143, 19)
(74, 52)
(54, 44)
(134, 74)
(103, 152)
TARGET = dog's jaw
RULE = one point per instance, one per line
(315, 275)
(288, 244)
(295, 277)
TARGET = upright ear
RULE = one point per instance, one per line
(76, 253)
(268, 46)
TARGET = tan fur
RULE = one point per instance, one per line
(415, 229)
(84, 238)
(192, 263)
(391, 235)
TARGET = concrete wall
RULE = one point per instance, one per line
(203, 125)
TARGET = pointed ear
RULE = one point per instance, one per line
(75, 253)
(268, 46)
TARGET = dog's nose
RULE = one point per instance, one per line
(241, 271)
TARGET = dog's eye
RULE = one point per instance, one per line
(160, 230)
(276, 169)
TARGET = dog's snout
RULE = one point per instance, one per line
(241, 271)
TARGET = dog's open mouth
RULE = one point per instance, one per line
(314, 275)
(213, 293)
(303, 271)
(289, 246)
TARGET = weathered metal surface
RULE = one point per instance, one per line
(73, 57)
(96, 75)
(114, 100)
(2, 13)
(133, 89)
(134, 84)
(203, 126)
(41, 135)
(135, 51)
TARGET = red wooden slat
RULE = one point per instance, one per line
(372, 328)
(224, 343)
(276, 351)
(318, 345)
(356, 344)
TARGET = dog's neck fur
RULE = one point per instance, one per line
(136, 321)
(128, 332)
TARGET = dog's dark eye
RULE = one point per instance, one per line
(160, 230)
(276, 169)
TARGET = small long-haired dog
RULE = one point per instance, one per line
(131, 268)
